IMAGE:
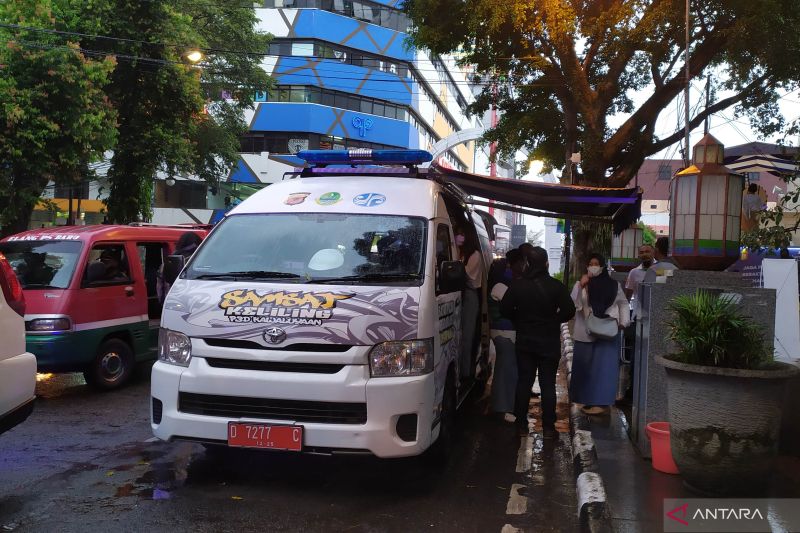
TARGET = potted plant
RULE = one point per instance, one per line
(724, 394)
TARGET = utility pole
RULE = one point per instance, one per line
(708, 101)
(686, 152)
(567, 224)
(493, 146)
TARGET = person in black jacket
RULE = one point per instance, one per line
(537, 304)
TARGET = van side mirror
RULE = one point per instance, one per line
(173, 267)
(452, 276)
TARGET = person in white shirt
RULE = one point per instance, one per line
(595, 364)
(752, 205)
(636, 276)
(470, 302)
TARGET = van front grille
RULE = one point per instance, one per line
(297, 347)
(274, 366)
(272, 409)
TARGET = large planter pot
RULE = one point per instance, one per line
(725, 424)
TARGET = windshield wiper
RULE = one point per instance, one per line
(369, 277)
(248, 274)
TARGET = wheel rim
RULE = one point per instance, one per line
(111, 366)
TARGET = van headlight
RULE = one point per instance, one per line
(401, 358)
(174, 348)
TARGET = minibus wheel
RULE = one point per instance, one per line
(111, 367)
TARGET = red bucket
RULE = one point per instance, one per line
(659, 447)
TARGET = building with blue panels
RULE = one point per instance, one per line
(345, 78)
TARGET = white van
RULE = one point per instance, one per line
(323, 315)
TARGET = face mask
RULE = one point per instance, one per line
(459, 240)
(595, 271)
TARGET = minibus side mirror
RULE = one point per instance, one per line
(173, 267)
(452, 276)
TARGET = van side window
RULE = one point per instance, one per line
(151, 257)
(443, 245)
(107, 265)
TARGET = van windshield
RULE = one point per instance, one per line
(42, 264)
(314, 247)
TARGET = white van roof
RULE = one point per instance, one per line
(370, 194)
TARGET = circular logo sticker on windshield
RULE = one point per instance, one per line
(329, 198)
(369, 199)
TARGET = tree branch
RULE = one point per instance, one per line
(593, 48)
(700, 117)
(608, 90)
(704, 53)
(628, 162)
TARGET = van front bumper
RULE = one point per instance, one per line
(386, 399)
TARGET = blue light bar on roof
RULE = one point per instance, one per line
(364, 156)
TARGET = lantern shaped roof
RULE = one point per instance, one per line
(707, 158)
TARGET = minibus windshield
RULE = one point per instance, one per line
(42, 264)
(314, 248)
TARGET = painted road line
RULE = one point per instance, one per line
(590, 489)
(517, 503)
(525, 454)
(582, 442)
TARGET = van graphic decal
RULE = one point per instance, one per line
(296, 198)
(329, 198)
(46, 237)
(369, 199)
(282, 307)
(358, 315)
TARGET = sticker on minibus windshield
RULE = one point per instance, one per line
(329, 198)
(296, 198)
(281, 307)
(369, 199)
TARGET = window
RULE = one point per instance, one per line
(298, 94)
(297, 145)
(653, 206)
(317, 246)
(79, 190)
(665, 171)
(42, 264)
(444, 250)
(186, 194)
(107, 265)
(151, 257)
(303, 49)
(752, 176)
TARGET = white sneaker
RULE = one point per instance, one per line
(508, 417)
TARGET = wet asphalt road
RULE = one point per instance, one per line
(85, 461)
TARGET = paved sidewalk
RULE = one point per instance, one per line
(635, 491)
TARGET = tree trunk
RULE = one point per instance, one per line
(588, 238)
(131, 188)
(18, 208)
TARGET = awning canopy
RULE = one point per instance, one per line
(622, 207)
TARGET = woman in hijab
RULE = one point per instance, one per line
(595, 363)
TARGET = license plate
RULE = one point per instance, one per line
(265, 436)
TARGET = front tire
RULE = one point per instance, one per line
(112, 367)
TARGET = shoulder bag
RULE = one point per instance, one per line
(602, 328)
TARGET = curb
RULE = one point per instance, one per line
(592, 506)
